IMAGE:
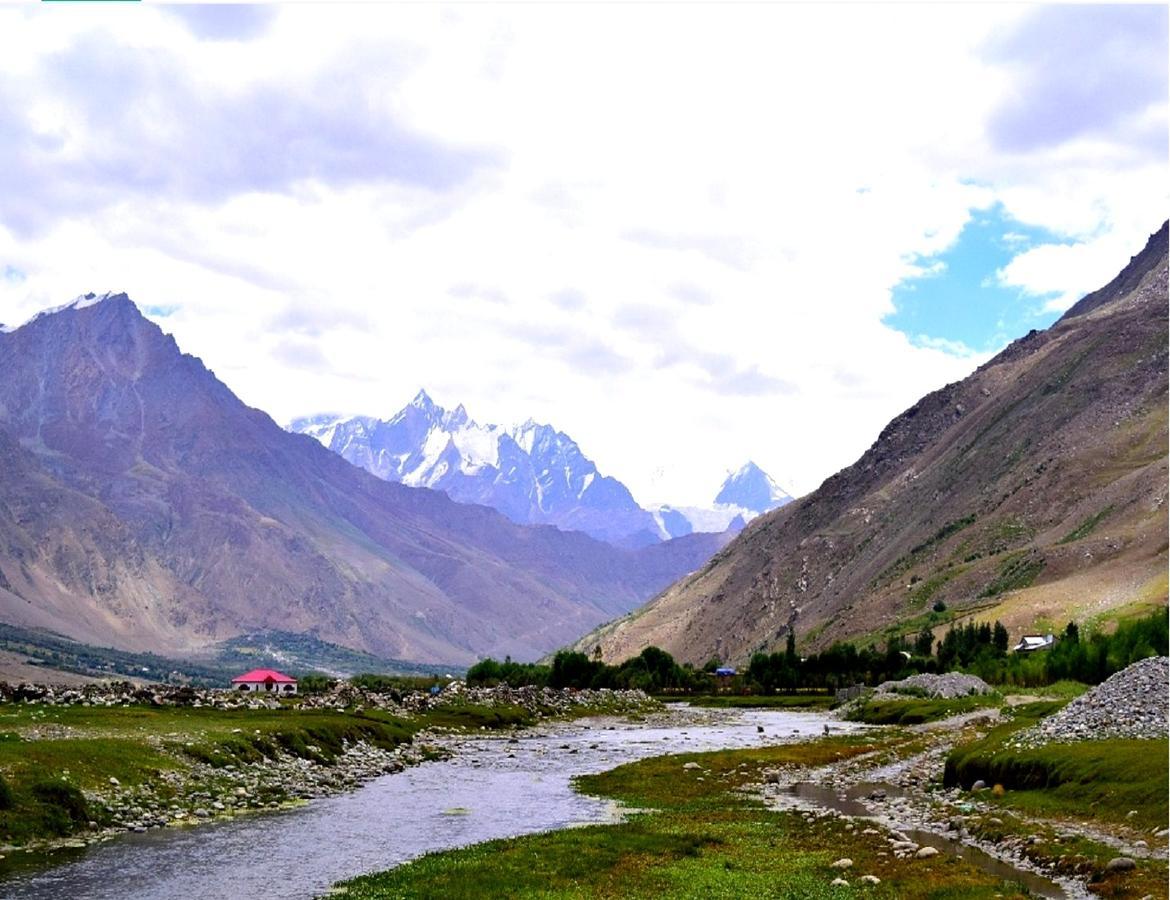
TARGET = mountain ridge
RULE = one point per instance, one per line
(985, 498)
(146, 507)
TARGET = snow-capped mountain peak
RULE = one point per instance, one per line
(532, 473)
(746, 493)
(752, 488)
(82, 301)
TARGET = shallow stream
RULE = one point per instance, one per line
(492, 787)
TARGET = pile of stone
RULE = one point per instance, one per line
(1130, 704)
(946, 687)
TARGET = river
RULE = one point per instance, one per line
(492, 787)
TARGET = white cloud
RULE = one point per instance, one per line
(673, 235)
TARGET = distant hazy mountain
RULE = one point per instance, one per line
(143, 506)
(533, 474)
(746, 493)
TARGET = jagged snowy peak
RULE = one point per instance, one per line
(750, 487)
(532, 473)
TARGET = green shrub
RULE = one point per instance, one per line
(63, 805)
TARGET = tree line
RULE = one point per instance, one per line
(981, 649)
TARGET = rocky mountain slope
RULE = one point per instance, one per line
(1034, 491)
(533, 474)
(745, 493)
(143, 506)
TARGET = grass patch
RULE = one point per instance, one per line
(1103, 780)
(1058, 690)
(471, 716)
(1018, 572)
(764, 701)
(903, 563)
(925, 590)
(916, 710)
(704, 839)
(1086, 527)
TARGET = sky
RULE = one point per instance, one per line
(688, 235)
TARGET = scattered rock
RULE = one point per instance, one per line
(1120, 864)
(869, 879)
(926, 852)
(844, 863)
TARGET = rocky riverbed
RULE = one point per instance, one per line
(901, 796)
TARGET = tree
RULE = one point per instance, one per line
(924, 643)
(999, 638)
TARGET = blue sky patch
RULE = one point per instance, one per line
(963, 301)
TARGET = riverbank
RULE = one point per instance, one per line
(79, 766)
(840, 816)
(699, 830)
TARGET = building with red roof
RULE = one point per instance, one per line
(266, 681)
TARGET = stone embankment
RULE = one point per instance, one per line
(341, 696)
(204, 792)
(1133, 703)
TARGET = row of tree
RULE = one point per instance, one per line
(653, 670)
(981, 649)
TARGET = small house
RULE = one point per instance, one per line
(1029, 643)
(267, 681)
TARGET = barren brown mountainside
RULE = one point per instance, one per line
(143, 506)
(1033, 491)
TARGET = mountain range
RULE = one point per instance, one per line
(1033, 492)
(532, 473)
(145, 507)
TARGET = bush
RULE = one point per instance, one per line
(64, 806)
(5, 794)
